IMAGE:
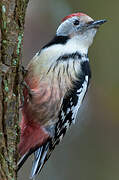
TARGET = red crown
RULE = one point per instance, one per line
(71, 15)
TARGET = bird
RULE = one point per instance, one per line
(55, 84)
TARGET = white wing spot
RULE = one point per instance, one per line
(67, 125)
(80, 98)
(63, 115)
(68, 110)
(61, 137)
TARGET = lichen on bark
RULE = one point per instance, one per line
(12, 18)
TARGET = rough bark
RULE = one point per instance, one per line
(12, 16)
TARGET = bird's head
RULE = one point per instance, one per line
(81, 26)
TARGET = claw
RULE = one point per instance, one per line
(24, 71)
(24, 84)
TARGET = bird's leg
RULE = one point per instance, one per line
(24, 71)
(24, 84)
(21, 95)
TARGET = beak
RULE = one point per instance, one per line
(96, 24)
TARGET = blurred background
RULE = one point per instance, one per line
(90, 150)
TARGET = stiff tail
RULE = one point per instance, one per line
(24, 158)
(40, 157)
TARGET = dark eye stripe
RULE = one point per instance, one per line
(76, 22)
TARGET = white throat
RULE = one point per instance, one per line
(82, 41)
(77, 43)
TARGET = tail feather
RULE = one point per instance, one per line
(24, 158)
(40, 157)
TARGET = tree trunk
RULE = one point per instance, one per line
(12, 16)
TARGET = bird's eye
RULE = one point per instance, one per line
(76, 22)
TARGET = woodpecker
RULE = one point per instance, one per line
(56, 82)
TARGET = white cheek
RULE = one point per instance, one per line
(87, 38)
(90, 35)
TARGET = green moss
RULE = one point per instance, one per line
(19, 43)
(4, 41)
(14, 62)
(6, 99)
(3, 9)
(1, 133)
(4, 24)
(4, 16)
(16, 129)
(6, 86)
(14, 95)
(12, 179)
